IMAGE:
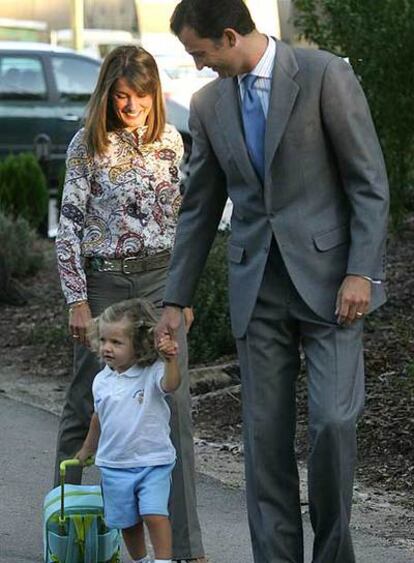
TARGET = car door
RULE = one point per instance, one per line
(26, 110)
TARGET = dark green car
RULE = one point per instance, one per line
(43, 94)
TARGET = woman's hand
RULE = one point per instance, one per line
(188, 318)
(80, 317)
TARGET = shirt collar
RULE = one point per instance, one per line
(264, 68)
(133, 371)
(130, 137)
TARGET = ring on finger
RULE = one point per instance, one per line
(359, 314)
(75, 336)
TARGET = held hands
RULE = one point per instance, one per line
(353, 299)
(80, 317)
(167, 347)
(168, 324)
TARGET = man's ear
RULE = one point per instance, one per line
(230, 37)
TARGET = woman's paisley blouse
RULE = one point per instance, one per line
(124, 203)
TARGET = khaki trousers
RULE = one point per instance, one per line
(104, 289)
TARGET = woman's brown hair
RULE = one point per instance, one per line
(141, 318)
(140, 70)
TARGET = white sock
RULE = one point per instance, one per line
(143, 560)
(162, 560)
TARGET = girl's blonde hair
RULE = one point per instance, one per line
(140, 70)
(141, 318)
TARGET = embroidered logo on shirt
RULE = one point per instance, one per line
(139, 395)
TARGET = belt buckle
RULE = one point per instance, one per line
(125, 268)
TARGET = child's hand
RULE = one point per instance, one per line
(167, 347)
(83, 455)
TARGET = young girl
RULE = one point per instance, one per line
(129, 430)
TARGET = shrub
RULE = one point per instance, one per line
(378, 38)
(18, 253)
(210, 337)
(23, 188)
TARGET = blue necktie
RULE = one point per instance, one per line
(254, 122)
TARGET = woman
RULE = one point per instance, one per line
(120, 202)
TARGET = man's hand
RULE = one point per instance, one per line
(353, 299)
(168, 324)
(80, 317)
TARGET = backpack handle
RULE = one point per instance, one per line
(62, 468)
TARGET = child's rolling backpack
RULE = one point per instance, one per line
(74, 529)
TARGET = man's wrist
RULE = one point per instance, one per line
(375, 282)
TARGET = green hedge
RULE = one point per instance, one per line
(23, 188)
(210, 337)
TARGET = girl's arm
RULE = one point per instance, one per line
(172, 377)
(90, 445)
(168, 349)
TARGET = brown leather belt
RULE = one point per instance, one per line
(129, 265)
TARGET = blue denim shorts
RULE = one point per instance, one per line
(129, 494)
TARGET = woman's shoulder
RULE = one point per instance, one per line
(171, 133)
(78, 140)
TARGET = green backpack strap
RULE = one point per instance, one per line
(72, 550)
(85, 534)
(91, 539)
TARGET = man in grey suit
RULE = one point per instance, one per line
(287, 135)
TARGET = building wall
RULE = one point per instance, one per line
(105, 14)
(154, 15)
(148, 16)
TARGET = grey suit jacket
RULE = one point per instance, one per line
(325, 193)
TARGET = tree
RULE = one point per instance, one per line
(378, 38)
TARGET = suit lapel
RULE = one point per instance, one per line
(282, 99)
(228, 114)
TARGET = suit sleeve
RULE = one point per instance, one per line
(351, 131)
(203, 202)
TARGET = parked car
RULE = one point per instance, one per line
(43, 94)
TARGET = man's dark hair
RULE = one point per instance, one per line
(209, 18)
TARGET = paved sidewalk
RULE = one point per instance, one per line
(27, 441)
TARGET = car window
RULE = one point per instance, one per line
(22, 78)
(75, 78)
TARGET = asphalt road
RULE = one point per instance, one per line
(27, 443)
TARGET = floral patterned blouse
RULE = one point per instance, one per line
(123, 203)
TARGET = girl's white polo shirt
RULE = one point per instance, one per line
(134, 418)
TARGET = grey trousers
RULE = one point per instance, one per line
(269, 359)
(105, 288)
